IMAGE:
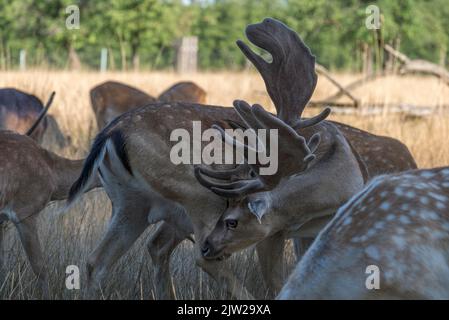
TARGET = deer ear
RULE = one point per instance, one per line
(258, 208)
(314, 142)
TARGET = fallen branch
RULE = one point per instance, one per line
(323, 71)
(418, 65)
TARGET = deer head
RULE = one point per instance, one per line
(290, 80)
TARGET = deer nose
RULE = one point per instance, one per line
(205, 249)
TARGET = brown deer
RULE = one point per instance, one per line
(146, 187)
(397, 227)
(19, 111)
(31, 177)
(269, 209)
(184, 91)
(111, 99)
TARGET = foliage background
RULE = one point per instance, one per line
(141, 33)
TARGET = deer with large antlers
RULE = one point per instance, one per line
(395, 229)
(146, 187)
(31, 177)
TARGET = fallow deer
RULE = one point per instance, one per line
(294, 201)
(184, 91)
(146, 187)
(31, 177)
(19, 111)
(396, 230)
(111, 99)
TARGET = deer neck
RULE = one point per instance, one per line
(324, 187)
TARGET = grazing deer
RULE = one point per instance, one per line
(184, 91)
(146, 187)
(19, 111)
(111, 99)
(31, 177)
(398, 226)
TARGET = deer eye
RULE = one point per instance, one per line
(231, 223)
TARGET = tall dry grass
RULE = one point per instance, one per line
(68, 239)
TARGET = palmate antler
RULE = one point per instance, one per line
(290, 80)
(294, 153)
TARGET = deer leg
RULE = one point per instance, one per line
(126, 225)
(301, 245)
(27, 228)
(160, 247)
(2, 253)
(271, 259)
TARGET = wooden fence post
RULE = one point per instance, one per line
(104, 60)
(187, 55)
(22, 60)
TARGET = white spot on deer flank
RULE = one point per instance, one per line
(399, 242)
(427, 174)
(388, 275)
(371, 233)
(373, 252)
(399, 191)
(347, 221)
(404, 219)
(440, 205)
(410, 194)
(383, 194)
(421, 186)
(379, 225)
(385, 206)
(437, 196)
(428, 215)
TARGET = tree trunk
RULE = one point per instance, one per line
(135, 53)
(443, 52)
(136, 62)
(2, 55)
(8, 57)
(111, 59)
(74, 60)
(122, 53)
(367, 60)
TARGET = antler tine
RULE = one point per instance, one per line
(223, 174)
(290, 78)
(249, 186)
(312, 121)
(243, 109)
(270, 121)
(234, 142)
(228, 189)
(235, 125)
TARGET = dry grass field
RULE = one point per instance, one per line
(67, 239)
